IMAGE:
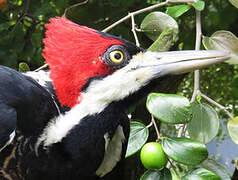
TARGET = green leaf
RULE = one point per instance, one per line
(154, 24)
(169, 108)
(157, 175)
(151, 175)
(23, 67)
(138, 136)
(204, 125)
(199, 5)
(200, 174)
(185, 150)
(198, 97)
(234, 3)
(165, 41)
(232, 127)
(223, 40)
(178, 10)
(215, 167)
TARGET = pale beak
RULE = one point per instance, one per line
(178, 62)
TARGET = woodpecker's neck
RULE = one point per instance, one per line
(99, 94)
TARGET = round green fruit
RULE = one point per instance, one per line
(152, 156)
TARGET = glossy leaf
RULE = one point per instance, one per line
(185, 150)
(215, 167)
(234, 3)
(223, 40)
(200, 174)
(138, 136)
(157, 175)
(204, 125)
(165, 41)
(151, 175)
(178, 10)
(154, 24)
(199, 5)
(232, 127)
(169, 108)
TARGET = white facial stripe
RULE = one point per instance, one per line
(98, 96)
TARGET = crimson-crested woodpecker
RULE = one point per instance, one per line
(71, 122)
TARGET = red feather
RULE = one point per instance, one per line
(74, 54)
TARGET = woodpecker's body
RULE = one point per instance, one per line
(72, 124)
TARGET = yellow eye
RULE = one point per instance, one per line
(116, 56)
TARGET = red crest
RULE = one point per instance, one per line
(74, 54)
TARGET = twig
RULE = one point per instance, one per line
(156, 128)
(133, 30)
(197, 47)
(196, 90)
(75, 5)
(134, 14)
(23, 15)
(216, 104)
(40, 68)
(196, 75)
(150, 8)
(149, 125)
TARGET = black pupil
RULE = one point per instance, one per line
(117, 56)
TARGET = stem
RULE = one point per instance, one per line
(197, 47)
(156, 128)
(173, 167)
(196, 90)
(217, 104)
(133, 30)
(149, 125)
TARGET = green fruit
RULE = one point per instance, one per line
(152, 156)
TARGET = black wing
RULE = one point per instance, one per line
(24, 104)
(8, 117)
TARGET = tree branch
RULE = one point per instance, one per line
(75, 5)
(133, 30)
(150, 8)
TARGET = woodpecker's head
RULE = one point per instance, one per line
(78, 56)
(77, 53)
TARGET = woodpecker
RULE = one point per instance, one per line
(71, 122)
